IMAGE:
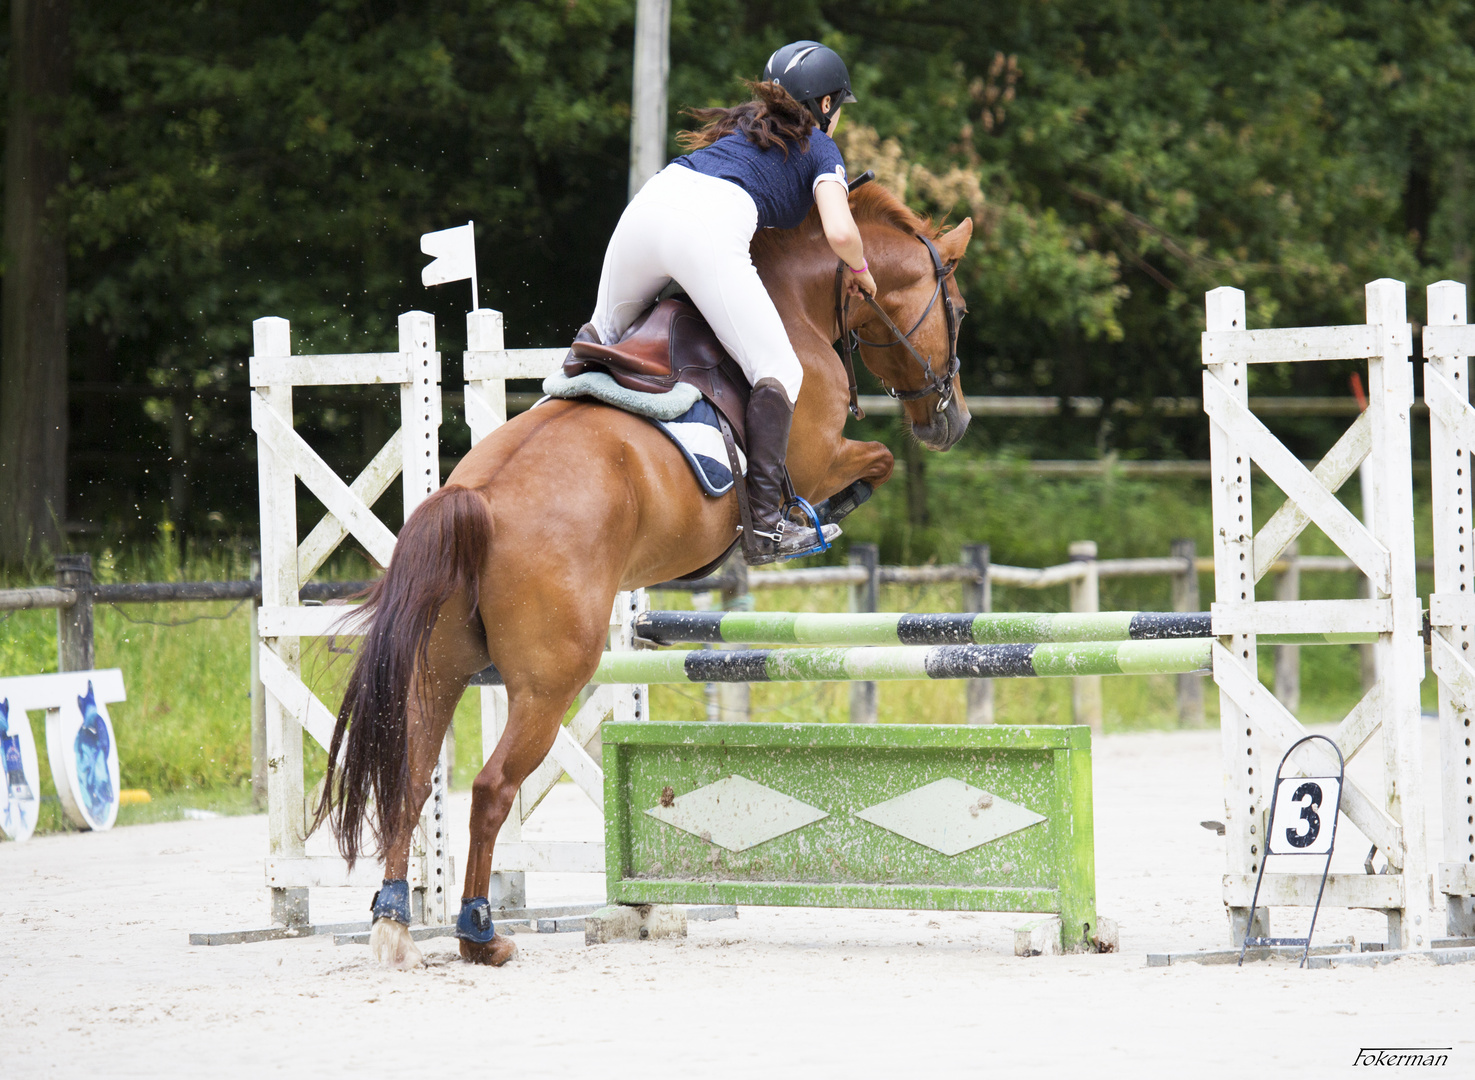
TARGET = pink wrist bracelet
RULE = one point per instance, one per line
(864, 266)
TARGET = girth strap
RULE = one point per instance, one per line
(846, 346)
(739, 481)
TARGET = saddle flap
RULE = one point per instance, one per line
(670, 343)
(644, 351)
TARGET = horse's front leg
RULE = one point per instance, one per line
(849, 461)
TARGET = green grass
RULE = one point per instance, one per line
(184, 732)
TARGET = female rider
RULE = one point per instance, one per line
(762, 164)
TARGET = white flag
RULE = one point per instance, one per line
(454, 252)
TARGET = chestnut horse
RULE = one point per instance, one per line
(516, 561)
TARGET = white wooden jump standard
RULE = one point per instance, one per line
(488, 366)
(1255, 727)
(1448, 344)
(412, 453)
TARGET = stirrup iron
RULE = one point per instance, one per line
(794, 502)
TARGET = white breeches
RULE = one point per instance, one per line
(696, 229)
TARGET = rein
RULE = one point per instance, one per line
(939, 384)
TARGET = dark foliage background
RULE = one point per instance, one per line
(1119, 157)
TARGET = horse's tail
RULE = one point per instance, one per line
(438, 555)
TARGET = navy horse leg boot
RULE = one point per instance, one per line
(773, 536)
(480, 942)
(389, 940)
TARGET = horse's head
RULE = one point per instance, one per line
(911, 343)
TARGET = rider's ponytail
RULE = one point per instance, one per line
(772, 118)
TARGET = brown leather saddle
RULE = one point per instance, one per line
(671, 343)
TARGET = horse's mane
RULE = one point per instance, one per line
(872, 202)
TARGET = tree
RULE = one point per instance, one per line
(1118, 157)
(33, 346)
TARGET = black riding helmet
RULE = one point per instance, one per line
(809, 71)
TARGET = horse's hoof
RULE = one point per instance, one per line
(391, 946)
(495, 952)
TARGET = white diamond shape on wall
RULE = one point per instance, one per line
(736, 813)
(950, 816)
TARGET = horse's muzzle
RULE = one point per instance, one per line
(943, 429)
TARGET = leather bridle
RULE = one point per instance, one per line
(941, 383)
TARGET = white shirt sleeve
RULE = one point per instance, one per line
(837, 174)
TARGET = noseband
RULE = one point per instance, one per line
(939, 384)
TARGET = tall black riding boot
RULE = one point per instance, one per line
(772, 537)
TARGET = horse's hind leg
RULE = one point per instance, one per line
(389, 940)
(533, 720)
(546, 648)
(454, 649)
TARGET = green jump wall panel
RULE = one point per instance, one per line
(941, 817)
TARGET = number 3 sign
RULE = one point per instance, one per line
(1303, 823)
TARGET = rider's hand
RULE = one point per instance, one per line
(860, 284)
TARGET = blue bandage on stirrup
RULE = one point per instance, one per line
(475, 921)
(392, 901)
(794, 502)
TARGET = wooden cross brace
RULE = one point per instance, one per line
(346, 505)
(1313, 498)
(1282, 729)
(1334, 470)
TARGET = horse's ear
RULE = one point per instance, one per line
(952, 244)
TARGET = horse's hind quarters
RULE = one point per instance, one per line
(494, 953)
(392, 947)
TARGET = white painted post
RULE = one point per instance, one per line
(1244, 797)
(486, 399)
(286, 821)
(420, 415)
(1400, 654)
(648, 101)
(419, 409)
(1085, 596)
(258, 699)
(1452, 608)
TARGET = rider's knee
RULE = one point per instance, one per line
(789, 373)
